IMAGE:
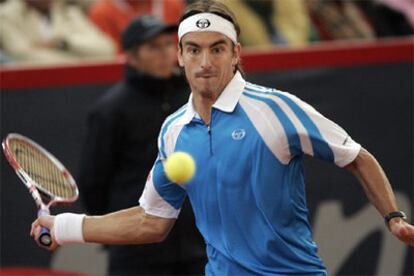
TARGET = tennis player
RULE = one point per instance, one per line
(248, 142)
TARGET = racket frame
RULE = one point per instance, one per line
(32, 186)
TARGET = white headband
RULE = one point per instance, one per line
(207, 22)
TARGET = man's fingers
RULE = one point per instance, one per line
(36, 231)
(404, 231)
(32, 229)
(35, 225)
(43, 221)
(408, 233)
(46, 222)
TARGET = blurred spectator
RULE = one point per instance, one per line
(46, 31)
(390, 18)
(268, 22)
(83, 4)
(112, 16)
(340, 20)
(4, 58)
(121, 147)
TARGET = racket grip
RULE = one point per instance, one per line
(44, 239)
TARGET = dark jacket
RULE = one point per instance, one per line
(120, 149)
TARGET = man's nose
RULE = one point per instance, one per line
(205, 60)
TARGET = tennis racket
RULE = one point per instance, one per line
(47, 179)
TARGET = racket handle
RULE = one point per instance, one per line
(44, 239)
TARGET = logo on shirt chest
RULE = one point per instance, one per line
(238, 134)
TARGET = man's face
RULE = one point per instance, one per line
(156, 57)
(209, 59)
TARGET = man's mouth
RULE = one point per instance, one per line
(205, 75)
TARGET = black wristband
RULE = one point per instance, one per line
(395, 214)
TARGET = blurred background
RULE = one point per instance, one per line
(351, 60)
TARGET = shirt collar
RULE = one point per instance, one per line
(226, 102)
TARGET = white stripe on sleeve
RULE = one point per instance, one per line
(268, 126)
(154, 204)
(343, 147)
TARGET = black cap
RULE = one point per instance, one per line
(143, 28)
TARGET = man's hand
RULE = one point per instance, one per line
(402, 230)
(48, 222)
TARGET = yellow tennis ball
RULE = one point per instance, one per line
(179, 167)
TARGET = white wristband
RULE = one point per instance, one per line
(68, 228)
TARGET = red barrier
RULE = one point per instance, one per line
(34, 271)
(331, 54)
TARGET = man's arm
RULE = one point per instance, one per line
(378, 189)
(129, 226)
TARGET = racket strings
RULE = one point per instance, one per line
(41, 169)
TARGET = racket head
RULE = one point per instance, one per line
(39, 168)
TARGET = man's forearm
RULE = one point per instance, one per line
(374, 181)
(129, 226)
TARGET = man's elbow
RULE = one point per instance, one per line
(152, 236)
(156, 230)
(159, 237)
(145, 236)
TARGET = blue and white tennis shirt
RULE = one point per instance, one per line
(248, 192)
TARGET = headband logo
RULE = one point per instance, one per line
(203, 23)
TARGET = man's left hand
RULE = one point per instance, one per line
(402, 230)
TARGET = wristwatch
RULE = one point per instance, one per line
(395, 214)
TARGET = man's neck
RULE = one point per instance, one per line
(203, 104)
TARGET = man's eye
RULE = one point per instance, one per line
(194, 50)
(217, 50)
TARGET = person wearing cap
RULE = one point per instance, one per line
(112, 16)
(121, 146)
(248, 143)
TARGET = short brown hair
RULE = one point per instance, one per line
(217, 8)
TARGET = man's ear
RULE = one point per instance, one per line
(131, 57)
(180, 57)
(236, 55)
